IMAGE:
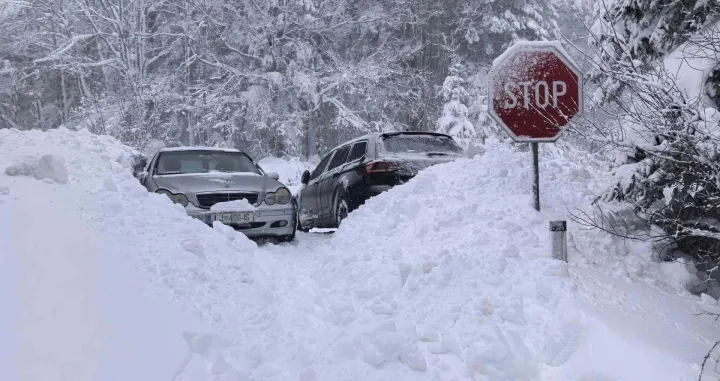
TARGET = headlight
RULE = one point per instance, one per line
(270, 198)
(281, 196)
(180, 199)
(176, 198)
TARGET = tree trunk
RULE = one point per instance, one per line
(63, 88)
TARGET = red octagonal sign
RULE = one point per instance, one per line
(534, 90)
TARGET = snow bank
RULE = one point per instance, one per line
(447, 277)
(454, 268)
(89, 269)
(47, 167)
(459, 262)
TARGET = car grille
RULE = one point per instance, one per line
(206, 200)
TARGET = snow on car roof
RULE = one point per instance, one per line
(391, 133)
(175, 149)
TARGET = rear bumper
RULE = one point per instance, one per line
(267, 222)
(369, 189)
(374, 190)
(376, 184)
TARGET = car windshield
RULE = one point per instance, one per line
(180, 162)
(426, 144)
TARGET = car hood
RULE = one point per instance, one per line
(191, 183)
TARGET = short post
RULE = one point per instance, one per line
(558, 230)
(536, 177)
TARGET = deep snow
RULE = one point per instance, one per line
(445, 278)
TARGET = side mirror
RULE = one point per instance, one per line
(139, 163)
(273, 175)
(141, 177)
(305, 177)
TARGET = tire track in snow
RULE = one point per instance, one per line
(302, 330)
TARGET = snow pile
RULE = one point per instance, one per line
(47, 167)
(453, 275)
(457, 264)
(75, 306)
(445, 278)
(241, 205)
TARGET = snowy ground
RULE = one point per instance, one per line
(445, 278)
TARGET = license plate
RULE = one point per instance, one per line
(236, 218)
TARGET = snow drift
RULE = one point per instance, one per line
(455, 276)
(445, 278)
(75, 307)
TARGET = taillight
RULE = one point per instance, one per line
(380, 166)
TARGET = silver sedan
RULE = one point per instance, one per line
(212, 183)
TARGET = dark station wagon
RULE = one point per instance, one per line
(365, 167)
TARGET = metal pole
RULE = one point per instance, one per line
(536, 177)
(558, 231)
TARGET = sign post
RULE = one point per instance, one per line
(534, 90)
(536, 177)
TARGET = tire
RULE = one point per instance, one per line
(341, 210)
(298, 224)
(288, 238)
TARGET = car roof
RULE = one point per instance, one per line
(198, 148)
(376, 135)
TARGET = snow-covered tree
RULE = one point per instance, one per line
(487, 27)
(292, 76)
(667, 168)
(635, 34)
(454, 120)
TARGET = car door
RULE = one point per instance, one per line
(328, 183)
(309, 194)
(352, 173)
(147, 181)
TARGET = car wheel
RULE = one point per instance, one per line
(298, 224)
(342, 208)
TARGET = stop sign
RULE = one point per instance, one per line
(534, 90)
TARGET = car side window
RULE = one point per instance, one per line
(358, 151)
(320, 167)
(152, 167)
(339, 157)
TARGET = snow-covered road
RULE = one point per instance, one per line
(445, 278)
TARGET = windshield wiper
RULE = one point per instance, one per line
(437, 153)
(170, 173)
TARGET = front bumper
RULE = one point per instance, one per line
(267, 222)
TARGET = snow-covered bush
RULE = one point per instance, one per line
(636, 34)
(668, 142)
